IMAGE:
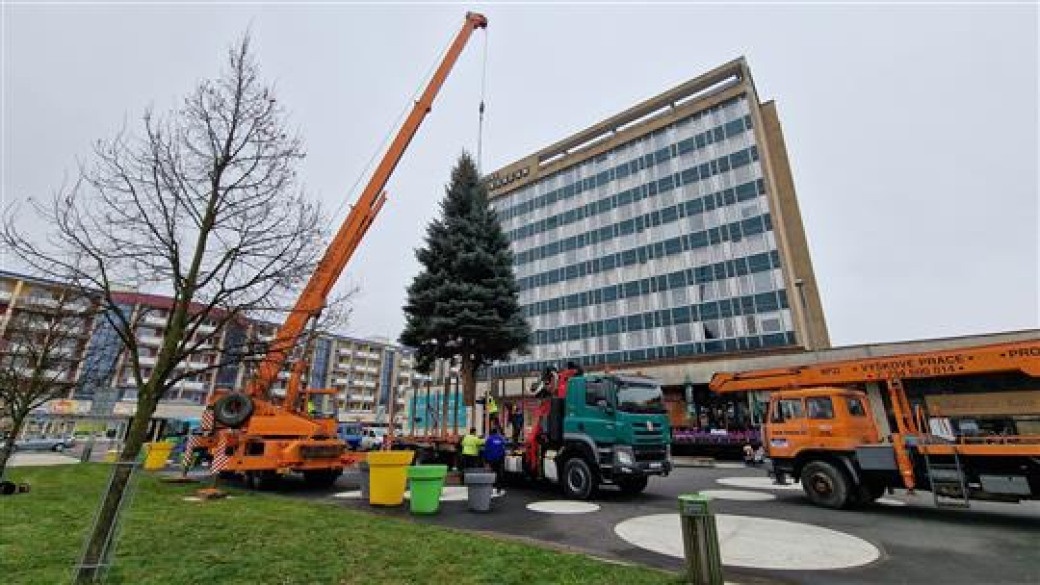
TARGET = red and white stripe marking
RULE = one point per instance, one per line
(207, 420)
(220, 459)
(189, 450)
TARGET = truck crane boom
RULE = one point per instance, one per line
(261, 437)
(1005, 357)
(314, 296)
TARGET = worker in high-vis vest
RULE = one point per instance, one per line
(492, 408)
(471, 445)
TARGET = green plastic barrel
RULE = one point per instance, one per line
(426, 483)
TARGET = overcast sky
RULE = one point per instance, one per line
(912, 131)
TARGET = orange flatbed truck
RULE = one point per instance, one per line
(822, 432)
(262, 436)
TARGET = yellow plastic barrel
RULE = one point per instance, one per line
(158, 453)
(388, 474)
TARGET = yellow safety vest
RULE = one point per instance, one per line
(492, 406)
(471, 445)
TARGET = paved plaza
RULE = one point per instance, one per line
(768, 534)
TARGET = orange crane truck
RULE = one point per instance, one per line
(821, 430)
(261, 436)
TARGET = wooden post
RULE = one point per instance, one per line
(426, 410)
(411, 413)
(700, 541)
(444, 402)
(458, 398)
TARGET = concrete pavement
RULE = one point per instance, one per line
(35, 458)
(767, 534)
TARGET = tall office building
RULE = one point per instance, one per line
(666, 233)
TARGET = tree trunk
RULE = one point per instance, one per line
(106, 524)
(18, 419)
(468, 370)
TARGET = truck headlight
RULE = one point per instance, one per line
(623, 455)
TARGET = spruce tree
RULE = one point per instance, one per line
(463, 303)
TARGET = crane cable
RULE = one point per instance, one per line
(392, 130)
(480, 123)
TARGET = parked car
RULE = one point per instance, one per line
(373, 439)
(57, 444)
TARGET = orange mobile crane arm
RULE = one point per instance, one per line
(1021, 357)
(314, 296)
(1006, 357)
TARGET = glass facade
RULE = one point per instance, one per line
(661, 247)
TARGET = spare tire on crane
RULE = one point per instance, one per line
(233, 410)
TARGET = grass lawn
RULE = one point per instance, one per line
(261, 538)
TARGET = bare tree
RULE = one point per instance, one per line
(41, 342)
(202, 204)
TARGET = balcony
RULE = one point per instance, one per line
(58, 374)
(146, 360)
(154, 321)
(149, 340)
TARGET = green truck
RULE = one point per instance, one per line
(596, 429)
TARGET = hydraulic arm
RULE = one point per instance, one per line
(315, 295)
(1006, 357)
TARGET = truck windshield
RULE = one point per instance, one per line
(639, 398)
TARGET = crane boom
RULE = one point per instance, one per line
(314, 296)
(1022, 357)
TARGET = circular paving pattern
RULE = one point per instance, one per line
(762, 543)
(562, 507)
(759, 483)
(729, 465)
(454, 493)
(739, 495)
(890, 502)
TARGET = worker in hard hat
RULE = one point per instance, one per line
(471, 445)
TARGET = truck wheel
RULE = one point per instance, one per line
(825, 485)
(321, 478)
(579, 482)
(632, 485)
(233, 410)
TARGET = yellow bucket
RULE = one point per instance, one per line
(158, 453)
(388, 474)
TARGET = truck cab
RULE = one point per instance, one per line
(819, 418)
(615, 431)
